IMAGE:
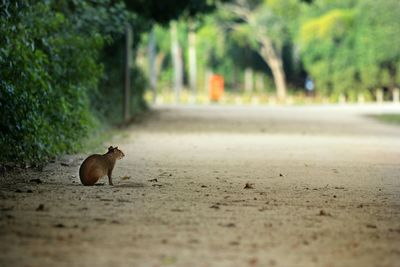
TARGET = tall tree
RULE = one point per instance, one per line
(176, 53)
(192, 59)
(128, 65)
(266, 31)
(152, 63)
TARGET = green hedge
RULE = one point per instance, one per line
(50, 71)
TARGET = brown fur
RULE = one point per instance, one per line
(97, 166)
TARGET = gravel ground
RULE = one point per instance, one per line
(218, 186)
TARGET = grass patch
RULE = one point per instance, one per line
(102, 138)
(106, 134)
(97, 140)
(388, 118)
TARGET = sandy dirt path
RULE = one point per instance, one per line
(324, 191)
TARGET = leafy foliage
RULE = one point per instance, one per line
(50, 72)
(376, 37)
(349, 49)
(47, 71)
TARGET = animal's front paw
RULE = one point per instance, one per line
(111, 184)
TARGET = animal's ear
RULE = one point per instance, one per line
(110, 148)
(116, 147)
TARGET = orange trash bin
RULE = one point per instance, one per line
(216, 87)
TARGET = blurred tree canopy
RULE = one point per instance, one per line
(348, 48)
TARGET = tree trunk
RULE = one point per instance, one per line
(248, 80)
(176, 61)
(208, 75)
(159, 61)
(128, 63)
(267, 51)
(396, 95)
(279, 79)
(192, 62)
(274, 61)
(152, 64)
(259, 82)
(379, 95)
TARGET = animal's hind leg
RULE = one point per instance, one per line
(90, 181)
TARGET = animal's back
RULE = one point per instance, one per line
(92, 169)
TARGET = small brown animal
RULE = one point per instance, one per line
(97, 166)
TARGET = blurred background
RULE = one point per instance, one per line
(70, 69)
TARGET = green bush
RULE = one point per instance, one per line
(46, 72)
(50, 71)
